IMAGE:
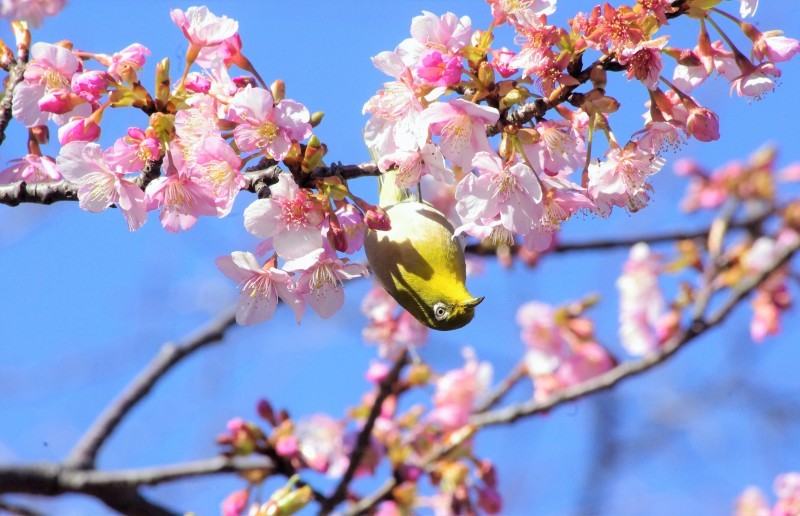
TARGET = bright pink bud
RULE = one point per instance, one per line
(78, 130)
(502, 62)
(59, 102)
(90, 85)
(703, 124)
(377, 372)
(439, 69)
(235, 503)
(286, 446)
(197, 83)
(377, 219)
(774, 47)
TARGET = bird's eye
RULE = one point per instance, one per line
(440, 311)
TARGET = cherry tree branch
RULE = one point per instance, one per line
(697, 327)
(384, 389)
(15, 75)
(633, 368)
(117, 489)
(85, 452)
(613, 243)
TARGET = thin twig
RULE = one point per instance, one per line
(614, 243)
(15, 76)
(385, 388)
(85, 452)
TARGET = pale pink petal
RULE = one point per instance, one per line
(255, 308)
(263, 218)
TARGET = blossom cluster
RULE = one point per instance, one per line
(508, 131)
(561, 349)
(448, 85)
(401, 438)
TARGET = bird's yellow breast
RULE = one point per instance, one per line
(418, 261)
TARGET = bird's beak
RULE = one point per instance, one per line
(472, 303)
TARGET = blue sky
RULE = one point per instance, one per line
(85, 304)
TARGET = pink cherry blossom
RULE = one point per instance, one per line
(621, 179)
(412, 165)
(197, 83)
(261, 288)
(521, 14)
(462, 127)
(395, 123)
(439, 69)
(774, 47)
(547, 341)
(643, 61)
(390, 327)
(641, 301)
(510, 191)
(132, 152)
(202, 28)
(322, 444)
(320, 280)
(99, 187)
(50, 68)
(126, 63)
(290, 217)
(458, 390)
(446, 33)
(560, 149)
(91, 85)
(227, 50)
(264, 126)
(31, 169)
(757, 81)
(195, 124)
(352, 223)
(219, 166)
(180, 195)
(32, 11)
(501, 61)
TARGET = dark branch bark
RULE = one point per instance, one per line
(385, 388)
(85, 452)
(15, 75)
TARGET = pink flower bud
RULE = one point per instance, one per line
(197, 83)
(235, 503)
(377, 371)
(59, 102)
(286, 446)
(245, 80)
(489, 500)
(703, 124)
(90, 85)
(78, 130)
(439, 69)
(264, 409)
(502, 62)
(377, 219)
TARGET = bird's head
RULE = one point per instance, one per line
(441, 303)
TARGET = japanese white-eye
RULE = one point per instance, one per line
(419, 261)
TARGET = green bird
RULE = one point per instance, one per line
(419, 261)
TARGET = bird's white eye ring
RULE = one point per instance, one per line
(440, 311)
